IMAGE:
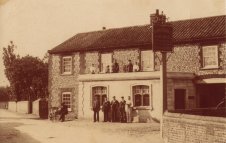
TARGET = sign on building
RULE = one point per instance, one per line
(162, 33)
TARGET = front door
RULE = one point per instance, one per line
(180, 95)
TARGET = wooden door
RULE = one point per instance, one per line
(180, 95)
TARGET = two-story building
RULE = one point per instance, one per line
(196, 69)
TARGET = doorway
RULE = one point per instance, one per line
(180, 95)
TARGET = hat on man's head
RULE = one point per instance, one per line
(113, 97)
(122, 97)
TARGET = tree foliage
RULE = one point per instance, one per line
(28, 76)
(4, 93)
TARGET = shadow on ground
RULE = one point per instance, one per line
(20, 118)
(9, 134)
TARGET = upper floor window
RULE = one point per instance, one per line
(67, 65)
(106, 63)
(100, 92)
(147, 60)
(66, 99)
(210, 56)
(141, 95)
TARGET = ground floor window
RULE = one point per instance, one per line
(100, 92)
(210, 99)
(141, 95)
(211, 95)
(66, 98)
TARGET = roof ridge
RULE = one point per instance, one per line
(142, 25)
(114, 28)
(198, 18)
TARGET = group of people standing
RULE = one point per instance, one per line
(113, 111)
(129, 67)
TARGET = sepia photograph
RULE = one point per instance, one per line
(113, 71)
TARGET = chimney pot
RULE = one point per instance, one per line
(157, 11)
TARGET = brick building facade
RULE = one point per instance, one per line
(197, 61)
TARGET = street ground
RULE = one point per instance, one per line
(20, 128)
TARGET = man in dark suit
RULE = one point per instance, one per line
(122, 110)
(106, 108)
(115, 67)
(129, 66)
(114, 109)
(96, 109)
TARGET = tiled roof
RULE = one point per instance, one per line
(199, 29)
(184, 32)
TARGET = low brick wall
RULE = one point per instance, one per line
(22, 107)
(181, 128)
(12, 106)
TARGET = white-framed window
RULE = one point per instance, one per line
(210, 56)
(100, 92)
(147, 60)
(67, 65)
(141, 95)
(66, 99)
(106, 60)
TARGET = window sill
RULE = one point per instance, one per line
(142, 108)
(65, 74)
(210, 67)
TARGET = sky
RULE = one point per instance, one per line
(37, 26)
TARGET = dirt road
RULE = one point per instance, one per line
(18, 128)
